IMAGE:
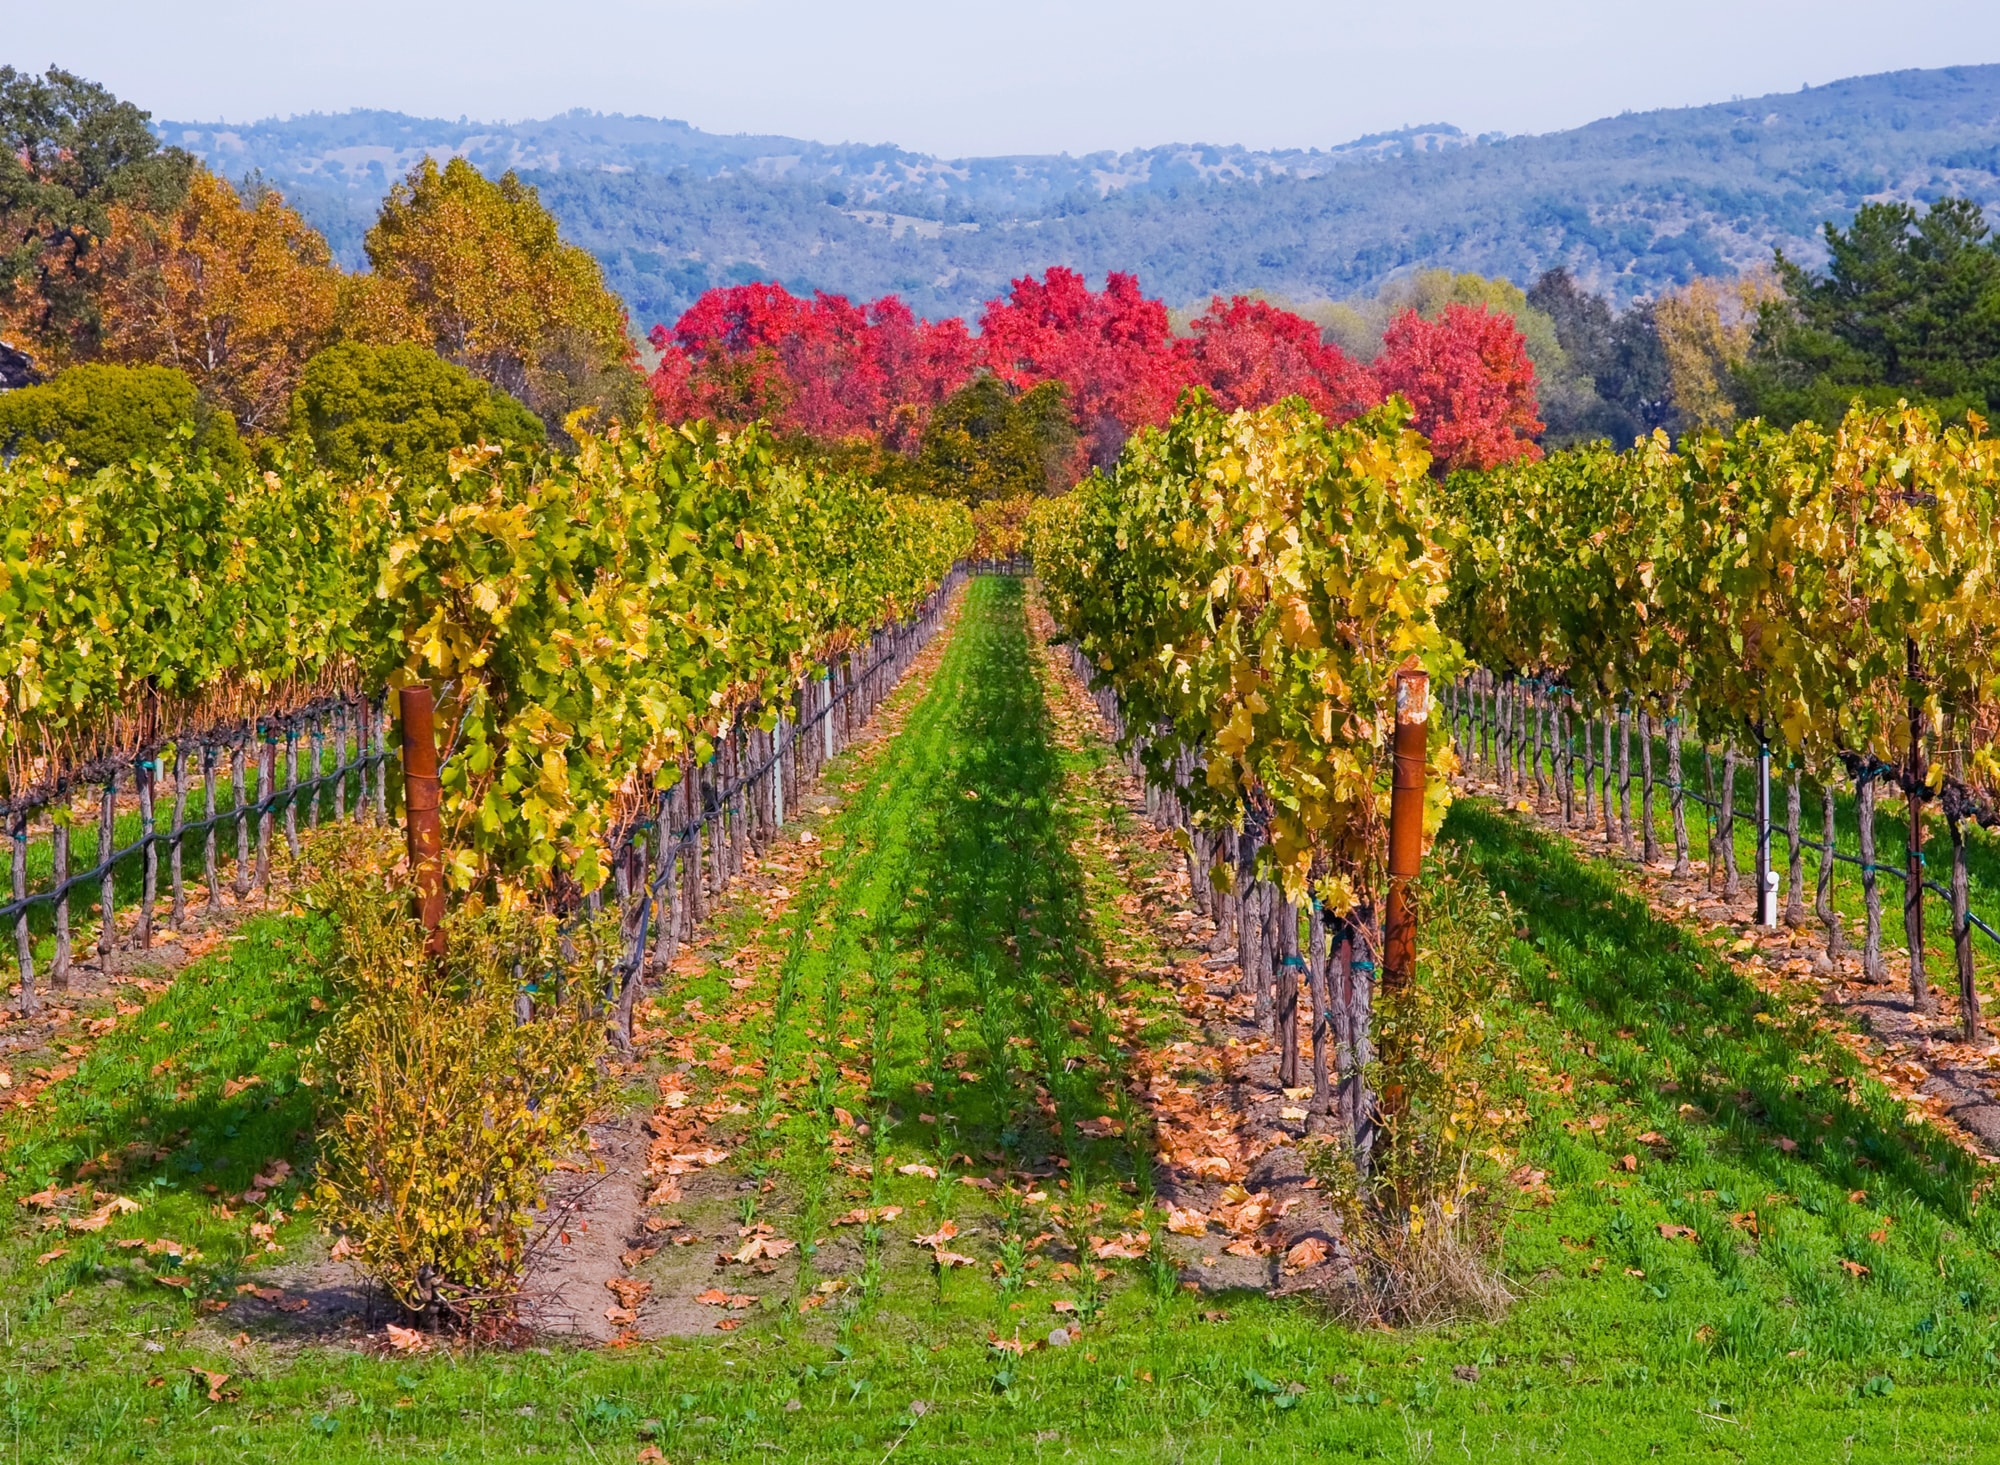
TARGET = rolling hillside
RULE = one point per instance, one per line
(1631, 204)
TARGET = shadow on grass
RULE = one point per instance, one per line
(1674, 1020)
(1004, 919)
(181, 1105)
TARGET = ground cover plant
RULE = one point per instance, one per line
(1816, 1276)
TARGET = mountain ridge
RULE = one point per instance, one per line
(1631, 204)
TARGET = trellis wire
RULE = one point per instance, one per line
(755, 782)
(350, 719)
(1497, 733)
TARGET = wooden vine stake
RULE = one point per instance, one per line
(420, 806)
(1406, 826)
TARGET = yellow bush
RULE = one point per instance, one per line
(449, 1108)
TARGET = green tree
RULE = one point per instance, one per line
(1619, 353)
(69, 152)
(986, 443)
(1907, 307)
(101, 414)
(404, 405)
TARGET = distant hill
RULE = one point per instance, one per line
(1630, 204)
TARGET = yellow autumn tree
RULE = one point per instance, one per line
(476, 269)
(236, 294)
(1705, 329)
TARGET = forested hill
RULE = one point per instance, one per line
(1630, 204)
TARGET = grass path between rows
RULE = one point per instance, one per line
(1784, 1268)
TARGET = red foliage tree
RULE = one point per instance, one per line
(825, 366)
(1251, 354)
(1469, 381)
(1112, 348)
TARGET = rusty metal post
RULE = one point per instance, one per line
(420, 806)
(1406, 826)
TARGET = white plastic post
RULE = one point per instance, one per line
(1767, 878)
(778, 775)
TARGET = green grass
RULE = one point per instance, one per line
(980, 851)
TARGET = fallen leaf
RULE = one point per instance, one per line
(408, 1340)
(1854, 1268)
(48, 1256)
(926, 1172)
(1186, 1223)
(1675, 1233)
(759, 1247)
(1307, 1253)
(945, 1231)
(1129, 1246)
(630, 1291)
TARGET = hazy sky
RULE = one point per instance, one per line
(1017, 76)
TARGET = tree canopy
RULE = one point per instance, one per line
(476, 268)
(102, 414)
(236, 294)
(988, 442)
(69, 153)
(1908, 306)
(401, 404)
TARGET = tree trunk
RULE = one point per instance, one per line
(1732, 878)
(1589, 768)
(1795, 868)
(1289, 966)
(1361, 1002)
(1566, 762)
(1836, 943)
(1970, 1024)
(1610, 773)
(1625, 781)
(1864, 811)
(1712, 816)
(1914, 780)
(1677, 800)
(1650, 841)
(1322, 1024)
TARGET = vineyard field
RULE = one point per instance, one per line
(972, 929)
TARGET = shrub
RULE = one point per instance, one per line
(458, 1084)
(1422, 1222)
(404, 405)
(101, 415)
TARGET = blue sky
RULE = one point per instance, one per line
(1020, 76)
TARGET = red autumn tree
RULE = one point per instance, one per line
(1112, 348)
(1469, 381)
(825, 366)
(1249, 353)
